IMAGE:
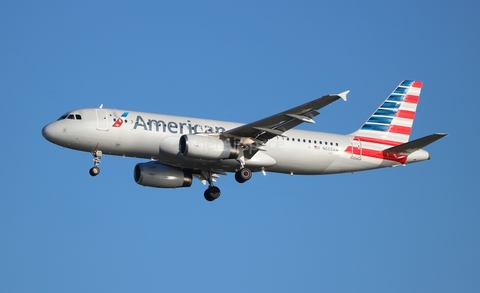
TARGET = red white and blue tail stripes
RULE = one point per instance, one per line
(392, 122)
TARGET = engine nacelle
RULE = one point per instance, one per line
(206, 147)
(155, 174)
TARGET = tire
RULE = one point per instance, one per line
(243, 175)
(212, 193)
(94, 171)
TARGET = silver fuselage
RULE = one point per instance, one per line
(156, 136)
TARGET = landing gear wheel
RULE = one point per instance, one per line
(212, 193)
(94, 171)
(243, 175)
(97, 156)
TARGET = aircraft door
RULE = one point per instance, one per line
(356, 149)
(102, 119)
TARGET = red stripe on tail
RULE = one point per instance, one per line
(405, 114)
(377, 140)
(399, 129)
(376, 154)
(411, 99)
(417, 84)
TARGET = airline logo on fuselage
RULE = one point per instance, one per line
(174, 127)
(118, 122)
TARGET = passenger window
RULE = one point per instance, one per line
(298, 140)
(331, 143)
(288, 138)
(309, 141)
(304, 140)
(336, 144)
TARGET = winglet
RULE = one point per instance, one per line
(343, 95)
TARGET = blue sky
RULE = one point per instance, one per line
(406, 229)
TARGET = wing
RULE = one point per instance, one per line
(270, 127)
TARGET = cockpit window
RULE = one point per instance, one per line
(71, 117)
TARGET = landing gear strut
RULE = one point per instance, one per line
(97, 156)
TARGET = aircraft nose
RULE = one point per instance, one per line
(48, 132)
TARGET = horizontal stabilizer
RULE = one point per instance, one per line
(414, 145)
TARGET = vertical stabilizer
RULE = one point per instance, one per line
(392, 122)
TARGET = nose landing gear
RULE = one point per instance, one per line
(94, 171)
(97, 156)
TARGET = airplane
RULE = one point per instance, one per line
(183, 148)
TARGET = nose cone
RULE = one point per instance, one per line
(49, 132)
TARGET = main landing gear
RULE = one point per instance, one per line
(97, 156)
(213, 192)
(243, 175)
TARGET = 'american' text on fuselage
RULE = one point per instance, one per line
(174, 127)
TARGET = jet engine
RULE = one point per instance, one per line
(206, 147)
(155, 174)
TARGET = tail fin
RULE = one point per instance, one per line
(392, 122)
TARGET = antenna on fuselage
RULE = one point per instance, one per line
(101, 106)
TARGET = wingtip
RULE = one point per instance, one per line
(343, 95)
